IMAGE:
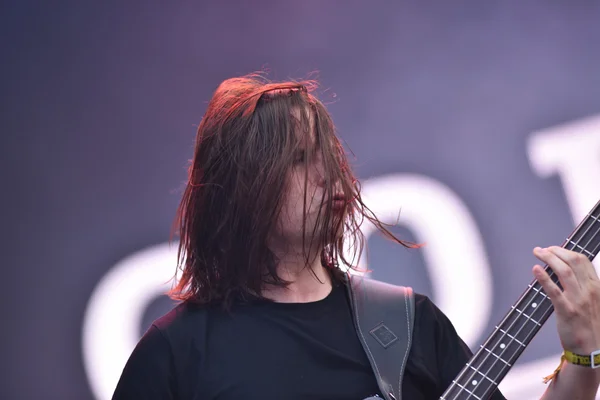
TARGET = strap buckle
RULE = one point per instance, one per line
(595, 365)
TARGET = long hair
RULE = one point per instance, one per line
(244, 149)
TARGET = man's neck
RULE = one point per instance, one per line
(309, 283)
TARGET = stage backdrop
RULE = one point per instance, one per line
(479, 120)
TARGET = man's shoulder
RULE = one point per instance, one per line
(357, 281)
(182, 318)
(422, 300)
(426, 311)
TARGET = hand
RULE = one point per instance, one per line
(577, 307)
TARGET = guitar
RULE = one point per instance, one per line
(489, 365)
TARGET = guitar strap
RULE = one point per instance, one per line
(384, 317)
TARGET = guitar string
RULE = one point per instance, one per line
(511, 341)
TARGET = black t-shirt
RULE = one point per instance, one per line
(268, 350)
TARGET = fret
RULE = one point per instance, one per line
(539, 290)
(526, 316)
(594, 241)
(520, 327)
(595, 251)
(577, 246)
(532, 300)
(488, 365)
(535, 307)
(484, 376)
(473, 389)
(466, 390)
(454, 392)
(512, 337)
(582, 229)
(503, 344)
(496, 355)
(479, 388)
(586, 237)
(471, 384)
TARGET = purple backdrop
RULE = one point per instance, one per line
(100, 103)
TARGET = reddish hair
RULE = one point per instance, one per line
(244, 149)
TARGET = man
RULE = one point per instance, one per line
(269, 206)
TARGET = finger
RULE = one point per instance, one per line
(565, 274)
(594, 273)
(552, 290)
(581, 265)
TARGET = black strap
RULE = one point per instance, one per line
(384, 317)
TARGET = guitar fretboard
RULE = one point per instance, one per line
(490, 364)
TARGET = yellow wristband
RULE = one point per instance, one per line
(592, 361)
